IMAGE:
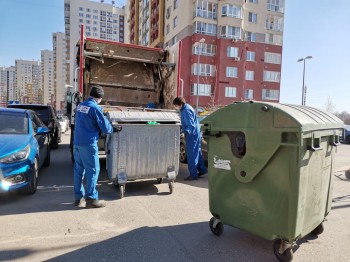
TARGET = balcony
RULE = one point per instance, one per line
(205, 14)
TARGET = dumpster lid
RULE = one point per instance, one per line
(143, 117)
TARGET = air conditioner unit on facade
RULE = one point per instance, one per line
(237, 59)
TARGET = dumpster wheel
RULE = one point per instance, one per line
(216, 226)
(287, 254)
(318, 230)
(171, 187)
(121, 191)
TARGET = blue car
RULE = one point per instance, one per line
(24, 149)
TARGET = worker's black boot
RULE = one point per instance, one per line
(93, 203)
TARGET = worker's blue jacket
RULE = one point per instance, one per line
(189, 122)
(89, 122)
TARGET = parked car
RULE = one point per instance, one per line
(48, 116)
(63, 124)
(24, 149)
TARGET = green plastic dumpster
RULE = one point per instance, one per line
(270, 170)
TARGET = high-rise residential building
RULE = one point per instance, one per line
(60, 69)
(228, 50)
(28, 81)
(47, 70)
(101, 20)
(3, 86)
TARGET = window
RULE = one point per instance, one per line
(253, 1)
(232, 51)
(81, 20)
(231, 32)
(204, 69)
(253, 17)
(275, 5)
(103, 13)
(270, 94)
(204, 28)
(250, 56)
(167, 29)
(248, 94)
(272, 76)
(231, 11)
(251, 36)
(204, 49)
(203, 90)
(95, 11)
(230, 91)
(81, 14)
(274, 23)
(81, 9)
(206, 9)
(88, 16)
(176, 4)
(231, 71)
(95, 17)
(249, 75)
(88, 21)
(175, 22)
(273, 58)
(88, 10)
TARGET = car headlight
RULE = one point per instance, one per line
(17, 156)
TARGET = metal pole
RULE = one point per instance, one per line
(198, 67)
(303, 94)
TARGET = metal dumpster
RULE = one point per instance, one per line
(270, 170)
(146, 146)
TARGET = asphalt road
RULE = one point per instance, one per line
(149, 224)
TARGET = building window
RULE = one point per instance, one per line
(176, 4)
(274, 23)
(231, 32)
(232, 51)
(249, 75)
(95, 11)
(248, 94)
(81, 14)
(270, 94)
(275, 5)
(81, 9)
(81, 20)
(231, 11)
(204, 49)
(88, 16)
(230, 91)
(272, 58)
(206, 9)
(203, 89)
(204, 69)
(251, 36)
(175, 22)
(167, 29)
(95, 17)
(103, 13)
(272, 76)
(253, 1)
(231, 71)
(250, 56)
(87, 21)
(253, 17)
(204, 28)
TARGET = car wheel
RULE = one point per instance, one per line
(48, 157)
(183, 155)
(54, 143)
(33, 183)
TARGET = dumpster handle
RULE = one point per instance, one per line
(312, 148)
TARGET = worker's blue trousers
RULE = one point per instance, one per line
(86, 165)
(194, 155)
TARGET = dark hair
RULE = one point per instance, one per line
(97, 92)
(179, 101)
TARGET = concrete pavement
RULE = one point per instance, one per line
(148, 224)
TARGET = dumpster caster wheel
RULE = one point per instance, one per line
(318, 230)
(216, 226)
(171, 187)
(159, 180)
(121, 191)
(287, 255)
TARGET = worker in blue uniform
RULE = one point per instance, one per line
(90, 121)
(191, 128)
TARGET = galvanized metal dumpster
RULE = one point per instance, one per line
(145, 146)
(270, 170)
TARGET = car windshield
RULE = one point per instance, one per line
(13, 123)
(42, 111)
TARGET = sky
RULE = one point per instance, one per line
(311, 28)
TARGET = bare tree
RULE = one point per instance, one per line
(329, 106)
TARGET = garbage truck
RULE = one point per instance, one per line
(134, 79)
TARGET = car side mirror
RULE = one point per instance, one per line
(42, 130)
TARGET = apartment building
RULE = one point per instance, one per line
(60, 69)
(101, 20)
(28, 81)
(226, 51)
(3, 86)
(47, 73)
(7, 85)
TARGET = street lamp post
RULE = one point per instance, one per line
(198, 45)
(303, 96)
